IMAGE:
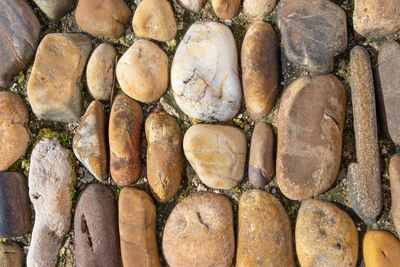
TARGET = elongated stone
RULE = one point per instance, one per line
(11, 255)
(394, 174)
(381, 249)
(364, 176)
(55, 9)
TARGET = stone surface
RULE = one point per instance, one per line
(193, 5)
(226, 9)
(394, 174)
(20, 31)
(164, 155)
(154, 19)
(372, 18)
(260, 68)
(50, 187)
(258, 9)
(53, 87)
(264, 232)
(388, 90)
(325, 235)
(217, 153)
(137, 228)
(381, 249)
(11, 255)
(96, 228)
(14, 135)
(142, 71)
(100, 72)
(125, 137)
(313, 32)
(364, 176)
(15, 215)
(55, 9)
(261, 160)
(105, 18)
(89, 143)
(204, 73)
(199, 232)
(309, 151)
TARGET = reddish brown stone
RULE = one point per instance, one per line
(226, 9)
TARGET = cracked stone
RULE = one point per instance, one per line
(381, 249)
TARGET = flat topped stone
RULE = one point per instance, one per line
(55, 9)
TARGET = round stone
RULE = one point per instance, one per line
(381, 249)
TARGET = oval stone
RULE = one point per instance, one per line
(310, 150)
(394, 174)
(226, 9)
(381, 249)
(258, 9)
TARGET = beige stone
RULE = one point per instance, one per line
(226, 9)
(193, 5)
(11, 255)
(258, 9)
(381, 249)
(394, 174)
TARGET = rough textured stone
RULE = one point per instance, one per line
(199, 232)
(374, 18)
(55, 9)
(96, 228)
(388, 91)
(100, 72)
(125, 136)
(14, 136)
(260, 68)
(50, 187)
(164, 155)
(394, 174)
(154, 19)
(264, 232)
(106, 18)
(364, 176)
(15, 216)
(193, 5)
(53, 87)
(226, 9)
(204, 73)
(142, 71)
(217, 153)
(309, 151)
(313, 32)
(258, 9)
(20, 34)
(325, 235)
(11, 255)
(137, 228)
(89, 142)
(381, 249)
(261, 160)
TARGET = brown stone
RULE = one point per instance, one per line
(193, 5)
(137, 228)
(164, 155)
(11, 255)
(260, 68)
(381, 249)
(394, 174)
(309, 150)
(325, 235)
(364, 176)
(55, 9)
(258, 9)
(226, 9)
(96, 228)
(264, 232)
(199, 232)
(125, 136)
(261, 161)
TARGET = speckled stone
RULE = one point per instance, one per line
(394, 174)
(226, 9)
(55, 9)
(193, 5)
(258, 9)
(11, 255)
(381, 249)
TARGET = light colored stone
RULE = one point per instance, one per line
(55, 9)
(142, 71)
(204, 73)
(217, 153)
(11, 255)
(381, 249)
(394, 174)
(193, 5)
(226, 9)
(258, 9)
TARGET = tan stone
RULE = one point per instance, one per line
(381, 249)
(394, 174)
(258, 9)
(217, 153)
(264, 232)
(11, 255)
(142, 72)
(193, 5)
(55, 9)
(226, 9)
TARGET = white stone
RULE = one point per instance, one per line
(193, 5)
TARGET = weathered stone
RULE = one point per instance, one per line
(96, 228)
(154, 19)
(50, 187)
(313, 32)
(381, 249)
(100, 72)
(125, 136)
(258, 9)
(199, 232)
(226, 9)
(137, 228)
(11, 255)
(325, 235)
(164, 155)
(55, 9)
(204, 73)
(261, 160)
(142, 72)
(53, 87)
(364, 176)
(14, 136)
(260, 68)
(264, 231)
(388, 91)
(89, 142)
(15, 216)
(394, 174)
(309, 150)
(20, 34)
(193, 5)
(217, 153)
(374, 18)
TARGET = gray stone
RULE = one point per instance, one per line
(55, 9)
